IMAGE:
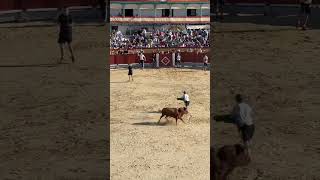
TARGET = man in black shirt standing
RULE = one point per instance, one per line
(65, 34)
(103, 4)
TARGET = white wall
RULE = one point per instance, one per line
(135, 12)
(179, 12)
(115, 12)
(205, 12)
(150, 12)
(147, 12)
(158, 12)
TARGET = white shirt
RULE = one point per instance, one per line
(142, 57)
(244, 111)
(185, 97)
(178, 57)
(205, 58)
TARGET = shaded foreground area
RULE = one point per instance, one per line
(142, 149)
(53, 123)
(278, 71)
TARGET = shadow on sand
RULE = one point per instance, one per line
(120, 82)
(226, 118)
(154, 112)
(152, 123)
(31, 65)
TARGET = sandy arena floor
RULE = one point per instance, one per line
(141, 149)
(278, 70)
(53, 117)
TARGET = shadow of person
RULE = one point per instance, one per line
(226, 118)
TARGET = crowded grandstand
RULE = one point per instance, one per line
(160, 38)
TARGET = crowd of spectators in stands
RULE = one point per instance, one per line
(191, 38)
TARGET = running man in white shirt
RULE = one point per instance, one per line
(185, 99)
(242, 116)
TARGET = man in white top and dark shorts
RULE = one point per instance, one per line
(242, 117)
(185, 99)
(305, 11)
(178, 59)
(142, 58)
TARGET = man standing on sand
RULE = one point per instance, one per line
(305, 11)
(65, 34)
(142, 58)
(178, 59)
(205, 62)
(242, 117)
(130, 72)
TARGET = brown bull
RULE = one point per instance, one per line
(176, 113)
(227, 159)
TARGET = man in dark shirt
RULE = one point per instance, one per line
(65, 34)
(103, 4)
(305, 11)
(130, 72)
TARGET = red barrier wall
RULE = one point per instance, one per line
(36, 4)
(133, 58)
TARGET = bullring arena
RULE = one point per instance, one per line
(142, 149)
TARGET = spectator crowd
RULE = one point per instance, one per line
(191, 38)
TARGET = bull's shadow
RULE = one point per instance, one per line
(155, 112)
(117, 82)
(149, 123)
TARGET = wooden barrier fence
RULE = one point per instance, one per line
(165, 59)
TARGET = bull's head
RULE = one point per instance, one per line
(183, 111)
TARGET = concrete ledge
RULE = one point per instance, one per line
(41, 9)
(10, 12)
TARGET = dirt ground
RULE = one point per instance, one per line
(141, 149)
(277, 69)
(53, 117)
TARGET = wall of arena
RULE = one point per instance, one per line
(7, 5)
(267, 1)
(165, 58)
